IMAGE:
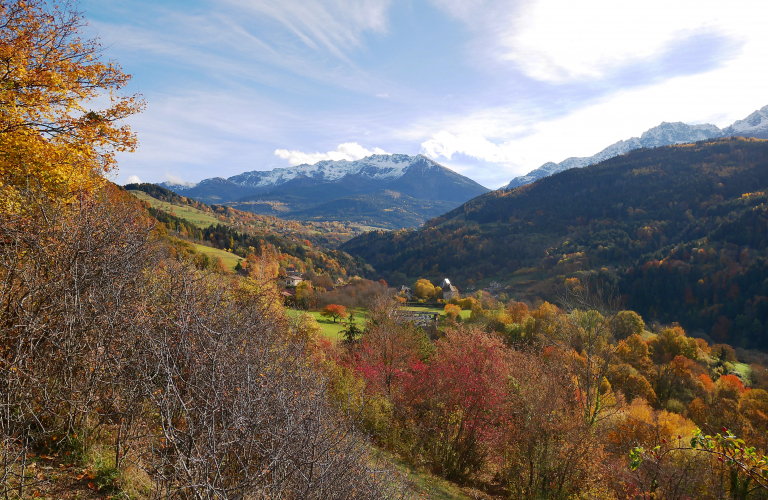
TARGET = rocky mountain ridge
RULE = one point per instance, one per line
(665, 134)
(424, 187)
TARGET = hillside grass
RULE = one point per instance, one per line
(230, 260)
(423, 483)
(333, 330)
(465, 313)
(330, 329)
(744, 370)
(193, 215)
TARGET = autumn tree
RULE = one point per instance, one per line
(388, 348)
(517, 311)
(334, 311)
(456, 401)
(586, 336)
(452, 311)
(628, 323)
(424, 289)
(51, 140)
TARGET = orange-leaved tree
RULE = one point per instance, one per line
(334, 311)
(452, 311)
(51, 138)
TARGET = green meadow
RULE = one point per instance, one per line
(193, 215)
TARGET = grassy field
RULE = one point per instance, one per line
(744, 370)
(330, 329)
(464, 312)
(193, 215)
(230, 260)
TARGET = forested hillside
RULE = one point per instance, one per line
(309, 247)
(679, 230)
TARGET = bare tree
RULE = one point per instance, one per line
(198, 377)
(586, 335)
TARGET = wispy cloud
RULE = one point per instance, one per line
(556, 41)
(348, 151)
(336, 25)
(238, 46)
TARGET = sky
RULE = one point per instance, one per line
(490, 89)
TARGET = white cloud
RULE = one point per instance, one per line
(133, 179)
(578, 47)
(447, 144)
(348, 151)
(557, 41)
(178, 181)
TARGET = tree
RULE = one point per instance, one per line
(452, 311)
(424, 289)
(49, 138)
(628, 323)
(334, 311)
(388, 348)
(457, 401)
(585, 337)
(351, 331)
(305, 295)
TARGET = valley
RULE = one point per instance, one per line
(317, 318)
(673, 228)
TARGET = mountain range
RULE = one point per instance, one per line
(390, 191)
(666, 134)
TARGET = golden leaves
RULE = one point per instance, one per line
(49, 141)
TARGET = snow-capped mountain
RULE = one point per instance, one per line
(755, 125)
(666, 134)
(374, 167)
(304, 188)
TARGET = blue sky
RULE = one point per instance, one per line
(491, 89)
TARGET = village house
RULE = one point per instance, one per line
(449, 291)
(291, 281)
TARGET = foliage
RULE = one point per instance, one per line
(351, 332)
(452, 311)
(334, 311)
(49, 139)
(740, 470)
(424, 289)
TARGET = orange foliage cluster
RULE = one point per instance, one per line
(513, 391)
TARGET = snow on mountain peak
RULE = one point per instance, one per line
(665, 134)
(757, 122)
(377, 166)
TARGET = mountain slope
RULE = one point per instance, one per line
(666, 134)
(380, 207)
(297, 190)
(239, 233)
(681, 230)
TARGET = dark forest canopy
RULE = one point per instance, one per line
(679, 230)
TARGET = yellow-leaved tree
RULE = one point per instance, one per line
(61, 118)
